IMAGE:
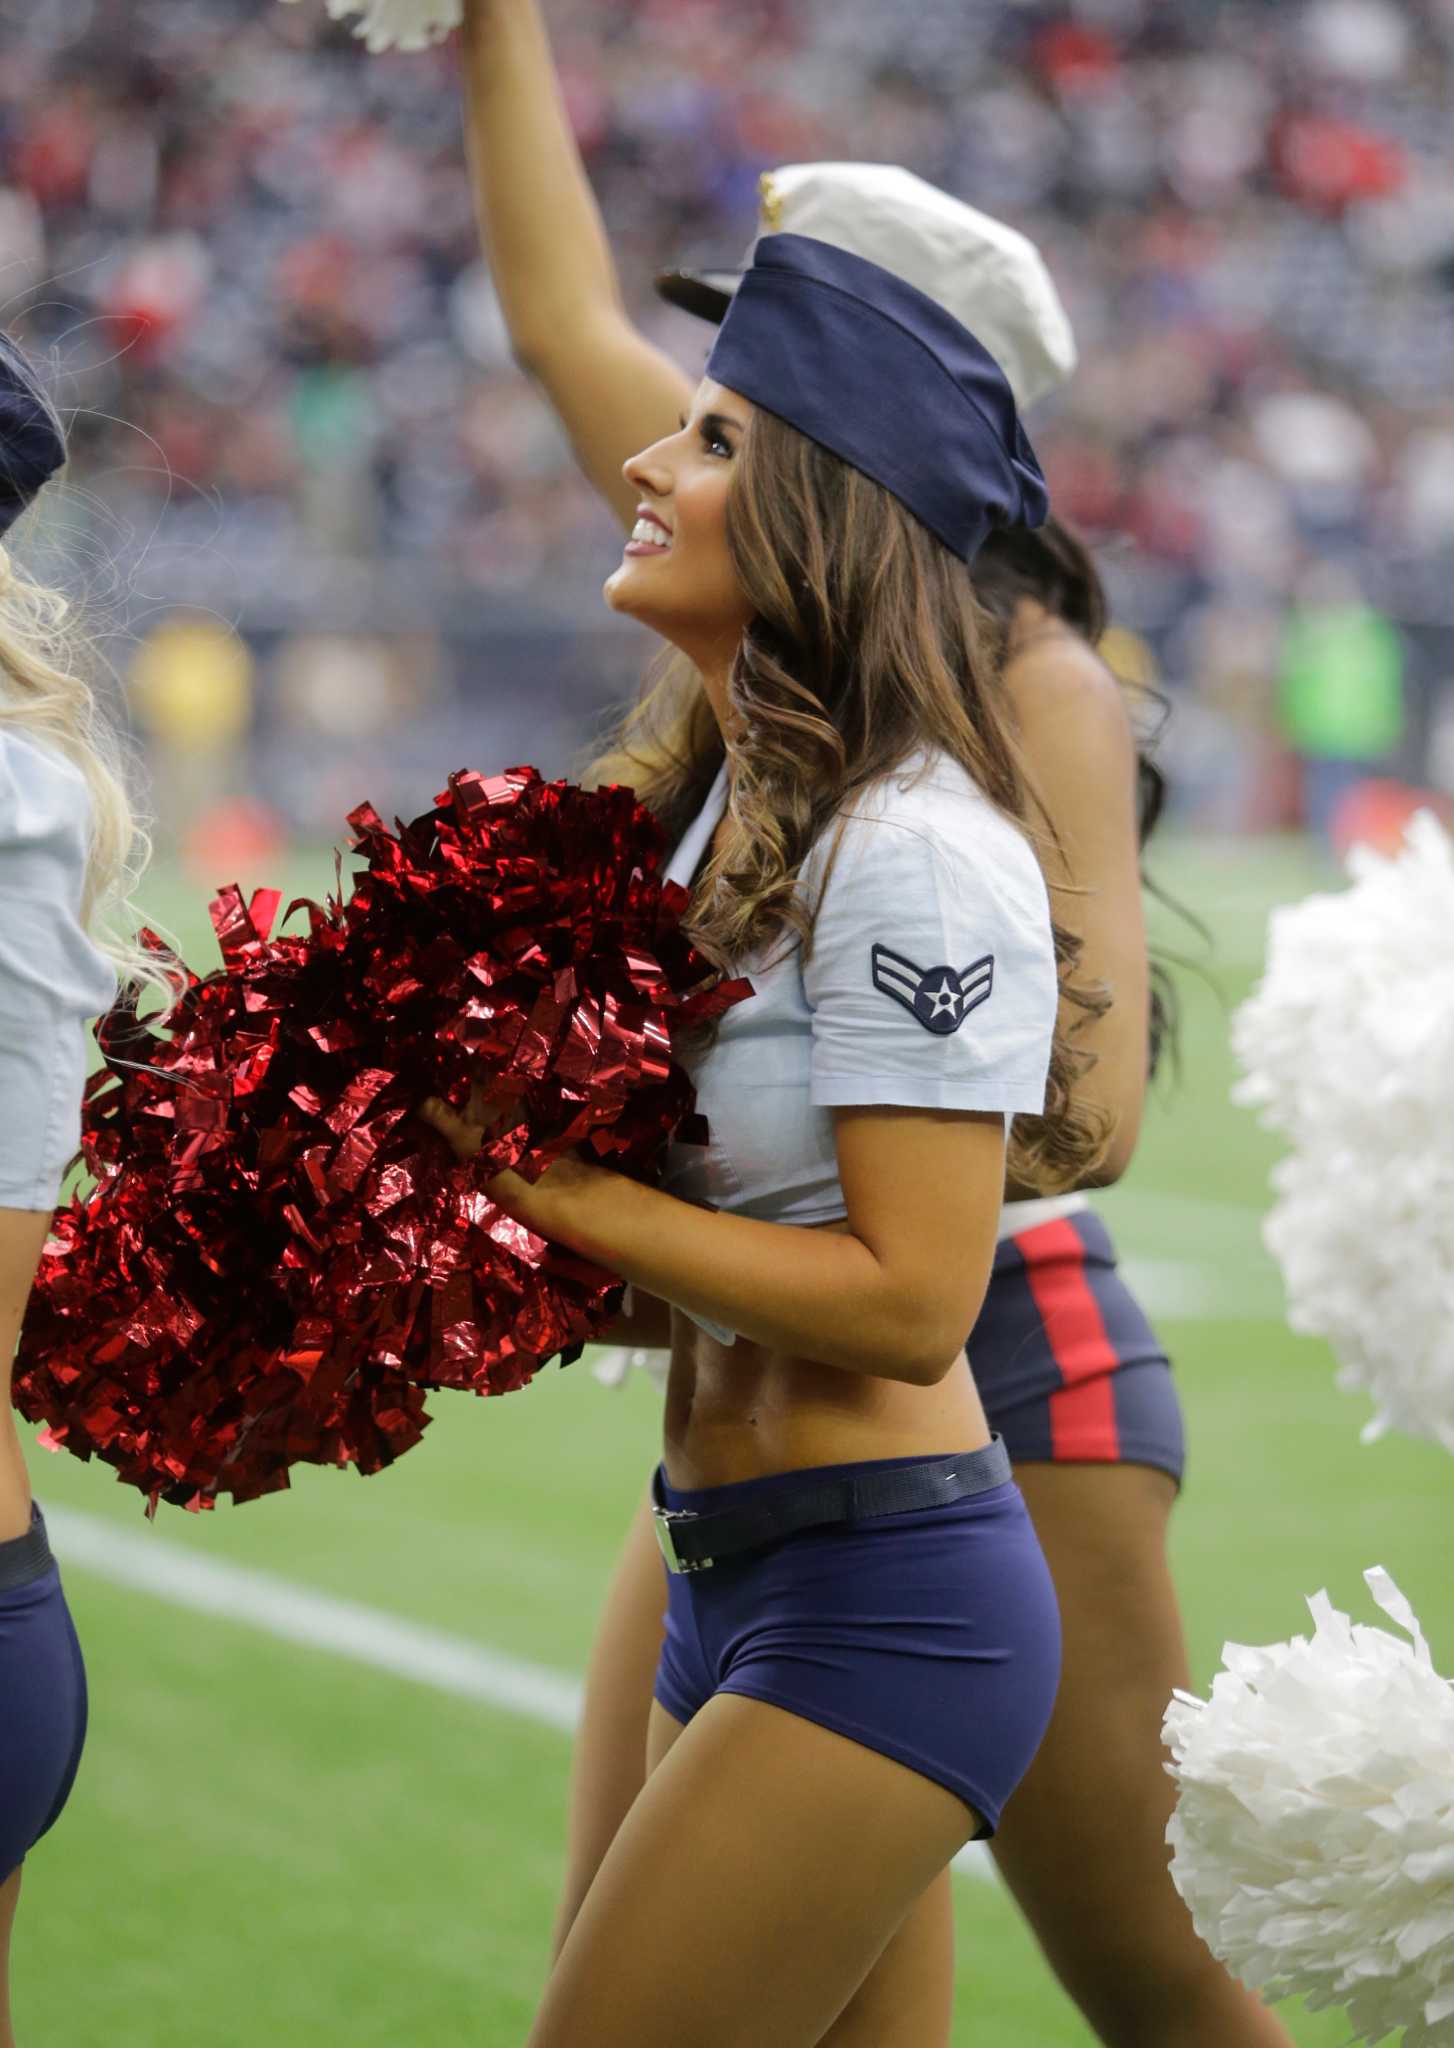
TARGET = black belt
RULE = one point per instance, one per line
(692, 1541)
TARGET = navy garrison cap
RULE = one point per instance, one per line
(32, 440)
(879, 373)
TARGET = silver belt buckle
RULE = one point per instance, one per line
(666, 1539)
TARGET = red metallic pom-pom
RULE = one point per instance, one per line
(278, 1256)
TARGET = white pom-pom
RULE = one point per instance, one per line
(1313, 1837)
(1347, 1048)
(614, 1365)
(399, 24)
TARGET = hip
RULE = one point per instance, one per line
(1058, 1313)
(931, 1635)
(968, 1571)
(42, 1694)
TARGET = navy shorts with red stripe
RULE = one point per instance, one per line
(1067, 1365)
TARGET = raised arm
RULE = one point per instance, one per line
(615, 393)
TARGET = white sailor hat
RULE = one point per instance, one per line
(988, 276)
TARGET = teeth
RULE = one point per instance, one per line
(649, 531)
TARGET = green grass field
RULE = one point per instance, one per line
(270, 1843)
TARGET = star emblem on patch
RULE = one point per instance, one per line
(939, 997)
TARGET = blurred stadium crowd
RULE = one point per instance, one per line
(250, 254)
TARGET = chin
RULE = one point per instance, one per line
(624, 594)
(618, 592)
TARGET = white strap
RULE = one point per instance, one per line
(1018, 1216)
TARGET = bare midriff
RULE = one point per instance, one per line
(743, 1411)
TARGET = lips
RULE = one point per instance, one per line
(649, 532)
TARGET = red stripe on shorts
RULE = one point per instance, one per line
(1083, 1410)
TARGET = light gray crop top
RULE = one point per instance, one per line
(52, 979)
(932, 983)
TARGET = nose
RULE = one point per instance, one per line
(649, 472)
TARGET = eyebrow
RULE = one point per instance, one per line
(717, 420)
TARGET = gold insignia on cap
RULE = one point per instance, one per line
(770, 204)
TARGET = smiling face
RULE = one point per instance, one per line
(676, 573)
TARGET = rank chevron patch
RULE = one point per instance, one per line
(939, 997)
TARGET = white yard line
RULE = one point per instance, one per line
(1174, 1291)
(1131, 1205)
(147, 1563)
(210, 1585)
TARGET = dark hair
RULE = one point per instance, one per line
(867, 640)
(1052, 566)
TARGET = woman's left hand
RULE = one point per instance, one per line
(469, 1130)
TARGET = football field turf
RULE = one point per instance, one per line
(273, 1841)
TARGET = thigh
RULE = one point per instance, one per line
(907, 1998)
(608, 1768)
(662, 1730)
(766, 1867)
(1096, 1800)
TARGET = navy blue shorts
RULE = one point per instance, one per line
(42, 1695)
(1066, 1363)
(932, 1637)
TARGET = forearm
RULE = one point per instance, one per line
(542, 229)
(816, 1294)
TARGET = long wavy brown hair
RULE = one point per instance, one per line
(867, 644)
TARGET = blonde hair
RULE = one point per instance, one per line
(44, 695)
(867, 642)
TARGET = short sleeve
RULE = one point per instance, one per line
(932, 977)
(52, 978)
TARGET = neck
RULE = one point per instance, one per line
(716, 681)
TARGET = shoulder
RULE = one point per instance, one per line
(932, 902)
(45, 834)
(1055, 680)
(924, 851)
(39, 787)
(44, 799)
(47, 959)
(930, 803)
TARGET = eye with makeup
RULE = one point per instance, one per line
(711, 430)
